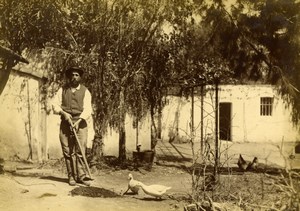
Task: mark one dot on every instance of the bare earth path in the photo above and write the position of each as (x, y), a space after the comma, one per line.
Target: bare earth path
(34, 187)
(46, 189)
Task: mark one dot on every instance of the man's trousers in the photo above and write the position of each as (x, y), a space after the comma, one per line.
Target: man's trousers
(71, 151)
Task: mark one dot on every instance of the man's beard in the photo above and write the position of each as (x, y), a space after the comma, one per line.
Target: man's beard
(74, 83)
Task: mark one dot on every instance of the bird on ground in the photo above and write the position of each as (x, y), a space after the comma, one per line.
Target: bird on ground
(132, 185)
(154, 190)
(253, 165)
(242, 164)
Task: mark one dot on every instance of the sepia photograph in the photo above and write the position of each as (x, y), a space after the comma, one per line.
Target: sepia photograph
(153, 105)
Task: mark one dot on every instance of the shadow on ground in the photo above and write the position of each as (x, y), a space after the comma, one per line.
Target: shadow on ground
(53, 178)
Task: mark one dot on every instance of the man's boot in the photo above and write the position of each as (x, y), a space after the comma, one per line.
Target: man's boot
(82, 181)
(72, 181)
(81, 175)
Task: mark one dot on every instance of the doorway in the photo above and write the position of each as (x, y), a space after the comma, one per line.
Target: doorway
(225, 121)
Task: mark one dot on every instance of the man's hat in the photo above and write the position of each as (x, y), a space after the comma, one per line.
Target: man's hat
(73, 69)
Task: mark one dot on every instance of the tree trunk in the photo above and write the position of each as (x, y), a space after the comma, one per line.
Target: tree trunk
(97, 150)
(122, 134)
(216, 167)
(153, 128)
(159, 123)
(97, 147)
(201, 124)
(192, 123)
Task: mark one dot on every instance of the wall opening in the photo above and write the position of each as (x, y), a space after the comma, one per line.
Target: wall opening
(225, 121)
(297, 148)
(266, 106)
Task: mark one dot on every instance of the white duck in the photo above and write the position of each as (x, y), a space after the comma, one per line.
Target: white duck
(132, 185)
(154, 190)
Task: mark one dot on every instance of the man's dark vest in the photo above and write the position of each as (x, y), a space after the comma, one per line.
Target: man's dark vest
(72, 102)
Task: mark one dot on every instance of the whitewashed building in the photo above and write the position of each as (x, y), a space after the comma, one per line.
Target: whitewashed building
(252, 120)
(23, 127)
(247, 113)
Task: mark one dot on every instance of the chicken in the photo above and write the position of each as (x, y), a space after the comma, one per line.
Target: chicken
(132, 185)
(253, 165)
(154, 190)
(247, 165)
(242, 164)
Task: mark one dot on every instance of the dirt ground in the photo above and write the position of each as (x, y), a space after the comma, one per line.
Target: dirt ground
(44, 187)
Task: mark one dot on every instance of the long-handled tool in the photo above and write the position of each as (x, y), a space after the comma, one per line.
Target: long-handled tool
(81, 150)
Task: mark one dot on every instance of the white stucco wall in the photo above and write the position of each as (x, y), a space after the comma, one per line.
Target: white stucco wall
(247, 124)
(111, 139)
(177, 113)
(270, 138)
(15, 117)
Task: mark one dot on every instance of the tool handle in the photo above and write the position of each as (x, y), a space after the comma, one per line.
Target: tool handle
(81, 150)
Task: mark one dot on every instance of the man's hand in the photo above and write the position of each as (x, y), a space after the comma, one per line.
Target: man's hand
(76, 124)
(67, 117)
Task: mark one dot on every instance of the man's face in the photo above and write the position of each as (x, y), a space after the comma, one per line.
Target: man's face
(75, 79)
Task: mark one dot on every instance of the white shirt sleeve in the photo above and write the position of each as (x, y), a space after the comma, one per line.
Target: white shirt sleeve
(56, 102)
(87, 106)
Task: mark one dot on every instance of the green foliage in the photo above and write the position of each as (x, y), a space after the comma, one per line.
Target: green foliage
(108, 39)
(257, 41)
(29, 24)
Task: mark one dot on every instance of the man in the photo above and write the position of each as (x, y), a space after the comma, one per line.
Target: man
(73, 103)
